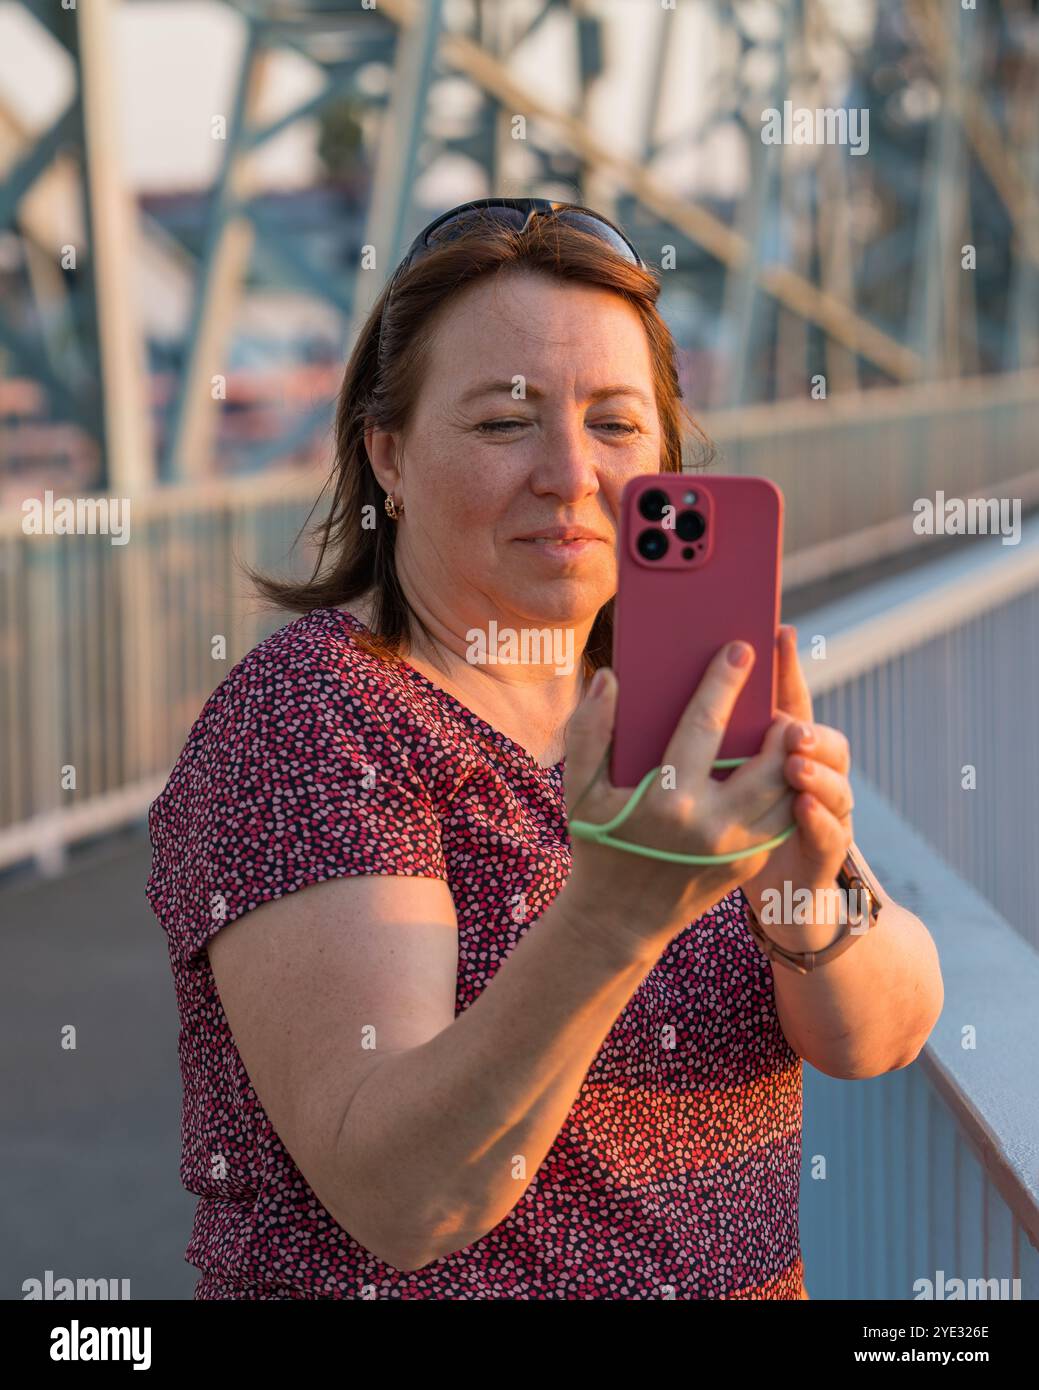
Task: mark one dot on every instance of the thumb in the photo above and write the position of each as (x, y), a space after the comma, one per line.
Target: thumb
(588, 739)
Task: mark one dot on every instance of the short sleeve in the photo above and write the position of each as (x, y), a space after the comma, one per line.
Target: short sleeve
(293, 775)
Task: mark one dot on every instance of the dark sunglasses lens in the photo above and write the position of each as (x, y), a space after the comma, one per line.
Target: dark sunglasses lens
(472, 219)
(583, 223)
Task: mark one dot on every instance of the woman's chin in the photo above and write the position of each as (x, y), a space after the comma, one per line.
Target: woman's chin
(569, 590)
(557, 609)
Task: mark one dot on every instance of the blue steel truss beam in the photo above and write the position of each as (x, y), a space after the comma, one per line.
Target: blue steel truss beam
(43, 150)
(74, 385)
(342, 85)
(265, 32)
(302, 270)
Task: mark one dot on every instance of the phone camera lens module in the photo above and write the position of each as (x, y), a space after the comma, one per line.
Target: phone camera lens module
(690, 526)
(652, 545)
(652, 503)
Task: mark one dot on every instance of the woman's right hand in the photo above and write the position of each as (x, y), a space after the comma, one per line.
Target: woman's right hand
(652, 899)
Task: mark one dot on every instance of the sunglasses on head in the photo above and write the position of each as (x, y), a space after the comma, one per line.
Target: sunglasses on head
(514, 214)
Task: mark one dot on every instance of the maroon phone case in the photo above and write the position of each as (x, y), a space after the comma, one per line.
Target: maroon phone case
(671, 618)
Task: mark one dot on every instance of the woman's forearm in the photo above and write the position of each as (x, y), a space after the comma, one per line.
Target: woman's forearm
(440, 1142)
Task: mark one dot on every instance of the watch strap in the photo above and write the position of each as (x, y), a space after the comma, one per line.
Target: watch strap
(851, 877)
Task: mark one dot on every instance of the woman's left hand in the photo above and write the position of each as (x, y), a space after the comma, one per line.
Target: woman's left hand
(812, 857)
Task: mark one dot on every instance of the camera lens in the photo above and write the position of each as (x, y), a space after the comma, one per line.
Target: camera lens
(652, 503)
(690, 526)
(652, 544)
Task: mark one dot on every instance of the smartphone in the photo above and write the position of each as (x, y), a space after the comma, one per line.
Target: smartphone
(699, 561)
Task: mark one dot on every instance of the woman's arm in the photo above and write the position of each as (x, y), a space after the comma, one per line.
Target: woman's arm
(417, 1130)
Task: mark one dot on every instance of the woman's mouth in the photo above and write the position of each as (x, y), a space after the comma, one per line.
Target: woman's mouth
(576, 546)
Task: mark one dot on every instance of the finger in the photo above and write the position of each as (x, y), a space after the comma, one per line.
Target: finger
(773, 745)
(588, 740)
(769, 820)
(825, 745)
(823, 840)
(758, 793)
(792, 694)
(828, 786)
(698, 735)
(758, 782)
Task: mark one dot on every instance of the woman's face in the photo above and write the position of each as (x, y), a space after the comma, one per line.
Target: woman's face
(484, 464)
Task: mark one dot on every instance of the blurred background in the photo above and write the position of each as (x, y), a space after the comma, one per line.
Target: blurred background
(199, 201)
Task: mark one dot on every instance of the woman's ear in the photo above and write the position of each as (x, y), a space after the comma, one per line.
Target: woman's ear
(382, 448)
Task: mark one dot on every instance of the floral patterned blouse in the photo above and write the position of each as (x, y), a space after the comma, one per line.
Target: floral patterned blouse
(676, 1172)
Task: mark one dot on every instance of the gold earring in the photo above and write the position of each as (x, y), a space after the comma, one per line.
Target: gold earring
(392, 510)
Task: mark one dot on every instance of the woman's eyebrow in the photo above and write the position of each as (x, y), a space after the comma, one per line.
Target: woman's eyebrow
(495, 388)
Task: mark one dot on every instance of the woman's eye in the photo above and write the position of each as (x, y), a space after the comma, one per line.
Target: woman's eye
(611, 426)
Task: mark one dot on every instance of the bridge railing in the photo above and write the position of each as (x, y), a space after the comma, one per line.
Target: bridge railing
(928, 1175)
(851, 467)
(934, 676)
(108, 651)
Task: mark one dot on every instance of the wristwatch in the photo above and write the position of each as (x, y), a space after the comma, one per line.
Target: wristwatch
(854, 880)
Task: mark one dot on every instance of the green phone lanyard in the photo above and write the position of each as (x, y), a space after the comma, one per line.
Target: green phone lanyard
(586, 830)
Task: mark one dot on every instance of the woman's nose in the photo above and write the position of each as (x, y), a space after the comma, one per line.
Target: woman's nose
(570, 462)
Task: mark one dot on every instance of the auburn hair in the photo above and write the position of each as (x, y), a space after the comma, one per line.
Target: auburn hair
(380, 389)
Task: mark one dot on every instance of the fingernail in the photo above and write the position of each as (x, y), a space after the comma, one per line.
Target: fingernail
(739, 654)
(805, 735)
(598, 684)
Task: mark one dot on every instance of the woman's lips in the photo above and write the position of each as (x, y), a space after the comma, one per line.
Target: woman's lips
(563, 549)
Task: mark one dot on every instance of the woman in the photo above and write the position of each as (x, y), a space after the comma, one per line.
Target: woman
(474, 1060)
